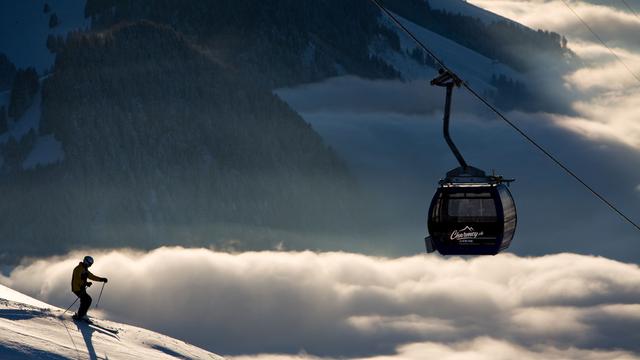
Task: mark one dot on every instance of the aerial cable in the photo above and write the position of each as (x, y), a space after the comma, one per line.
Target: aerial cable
(600, 39)
(504, 118)
(630, 8)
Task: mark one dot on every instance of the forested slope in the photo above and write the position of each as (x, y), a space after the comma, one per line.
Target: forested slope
(162, 142)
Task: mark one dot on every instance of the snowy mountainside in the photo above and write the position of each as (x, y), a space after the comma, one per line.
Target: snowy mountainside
(32, 329)
(470, 65)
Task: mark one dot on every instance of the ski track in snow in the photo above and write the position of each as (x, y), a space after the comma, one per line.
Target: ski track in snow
(32, 329)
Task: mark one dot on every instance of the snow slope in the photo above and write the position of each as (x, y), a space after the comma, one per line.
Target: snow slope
(32, 329)
(470, 65)
(47, 149)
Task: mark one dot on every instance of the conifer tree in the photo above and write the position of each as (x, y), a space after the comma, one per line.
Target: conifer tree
(25, 87)
(7, 72)
(3, 120)
(53, 21)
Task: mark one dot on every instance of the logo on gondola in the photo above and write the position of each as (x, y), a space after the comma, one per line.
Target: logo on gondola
(466, 233)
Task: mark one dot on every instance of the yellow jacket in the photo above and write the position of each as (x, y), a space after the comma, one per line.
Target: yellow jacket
(79, 278)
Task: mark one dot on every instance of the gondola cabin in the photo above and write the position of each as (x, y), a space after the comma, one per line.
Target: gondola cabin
(471, 214)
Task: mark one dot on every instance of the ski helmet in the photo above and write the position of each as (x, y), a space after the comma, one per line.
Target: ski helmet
(88, 260)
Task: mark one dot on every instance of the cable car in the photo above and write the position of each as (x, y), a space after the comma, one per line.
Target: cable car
(471, 213)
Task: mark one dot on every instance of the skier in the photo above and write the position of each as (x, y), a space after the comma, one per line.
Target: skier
(79, 285)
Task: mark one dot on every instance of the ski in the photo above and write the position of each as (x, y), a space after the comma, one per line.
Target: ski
(99, 326)
(96, 325)
(102, 327)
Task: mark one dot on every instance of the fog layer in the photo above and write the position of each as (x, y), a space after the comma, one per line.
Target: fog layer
(353, 305)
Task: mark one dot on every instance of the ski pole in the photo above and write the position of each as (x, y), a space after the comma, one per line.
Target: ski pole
(74, 302)
(100, 296)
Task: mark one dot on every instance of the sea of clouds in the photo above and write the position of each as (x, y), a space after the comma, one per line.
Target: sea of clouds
(346, 305)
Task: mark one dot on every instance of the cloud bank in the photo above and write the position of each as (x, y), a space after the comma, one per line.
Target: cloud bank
(479, 349)
(350, 305)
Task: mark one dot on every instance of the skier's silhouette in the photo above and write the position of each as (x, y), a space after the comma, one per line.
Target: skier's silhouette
(80, 283)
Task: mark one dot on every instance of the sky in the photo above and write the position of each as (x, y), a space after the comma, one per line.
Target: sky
(567, 289)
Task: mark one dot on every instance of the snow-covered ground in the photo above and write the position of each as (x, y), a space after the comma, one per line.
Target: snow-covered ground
(468, 64)
(31, 329)
(47, 150)
(471, 66)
